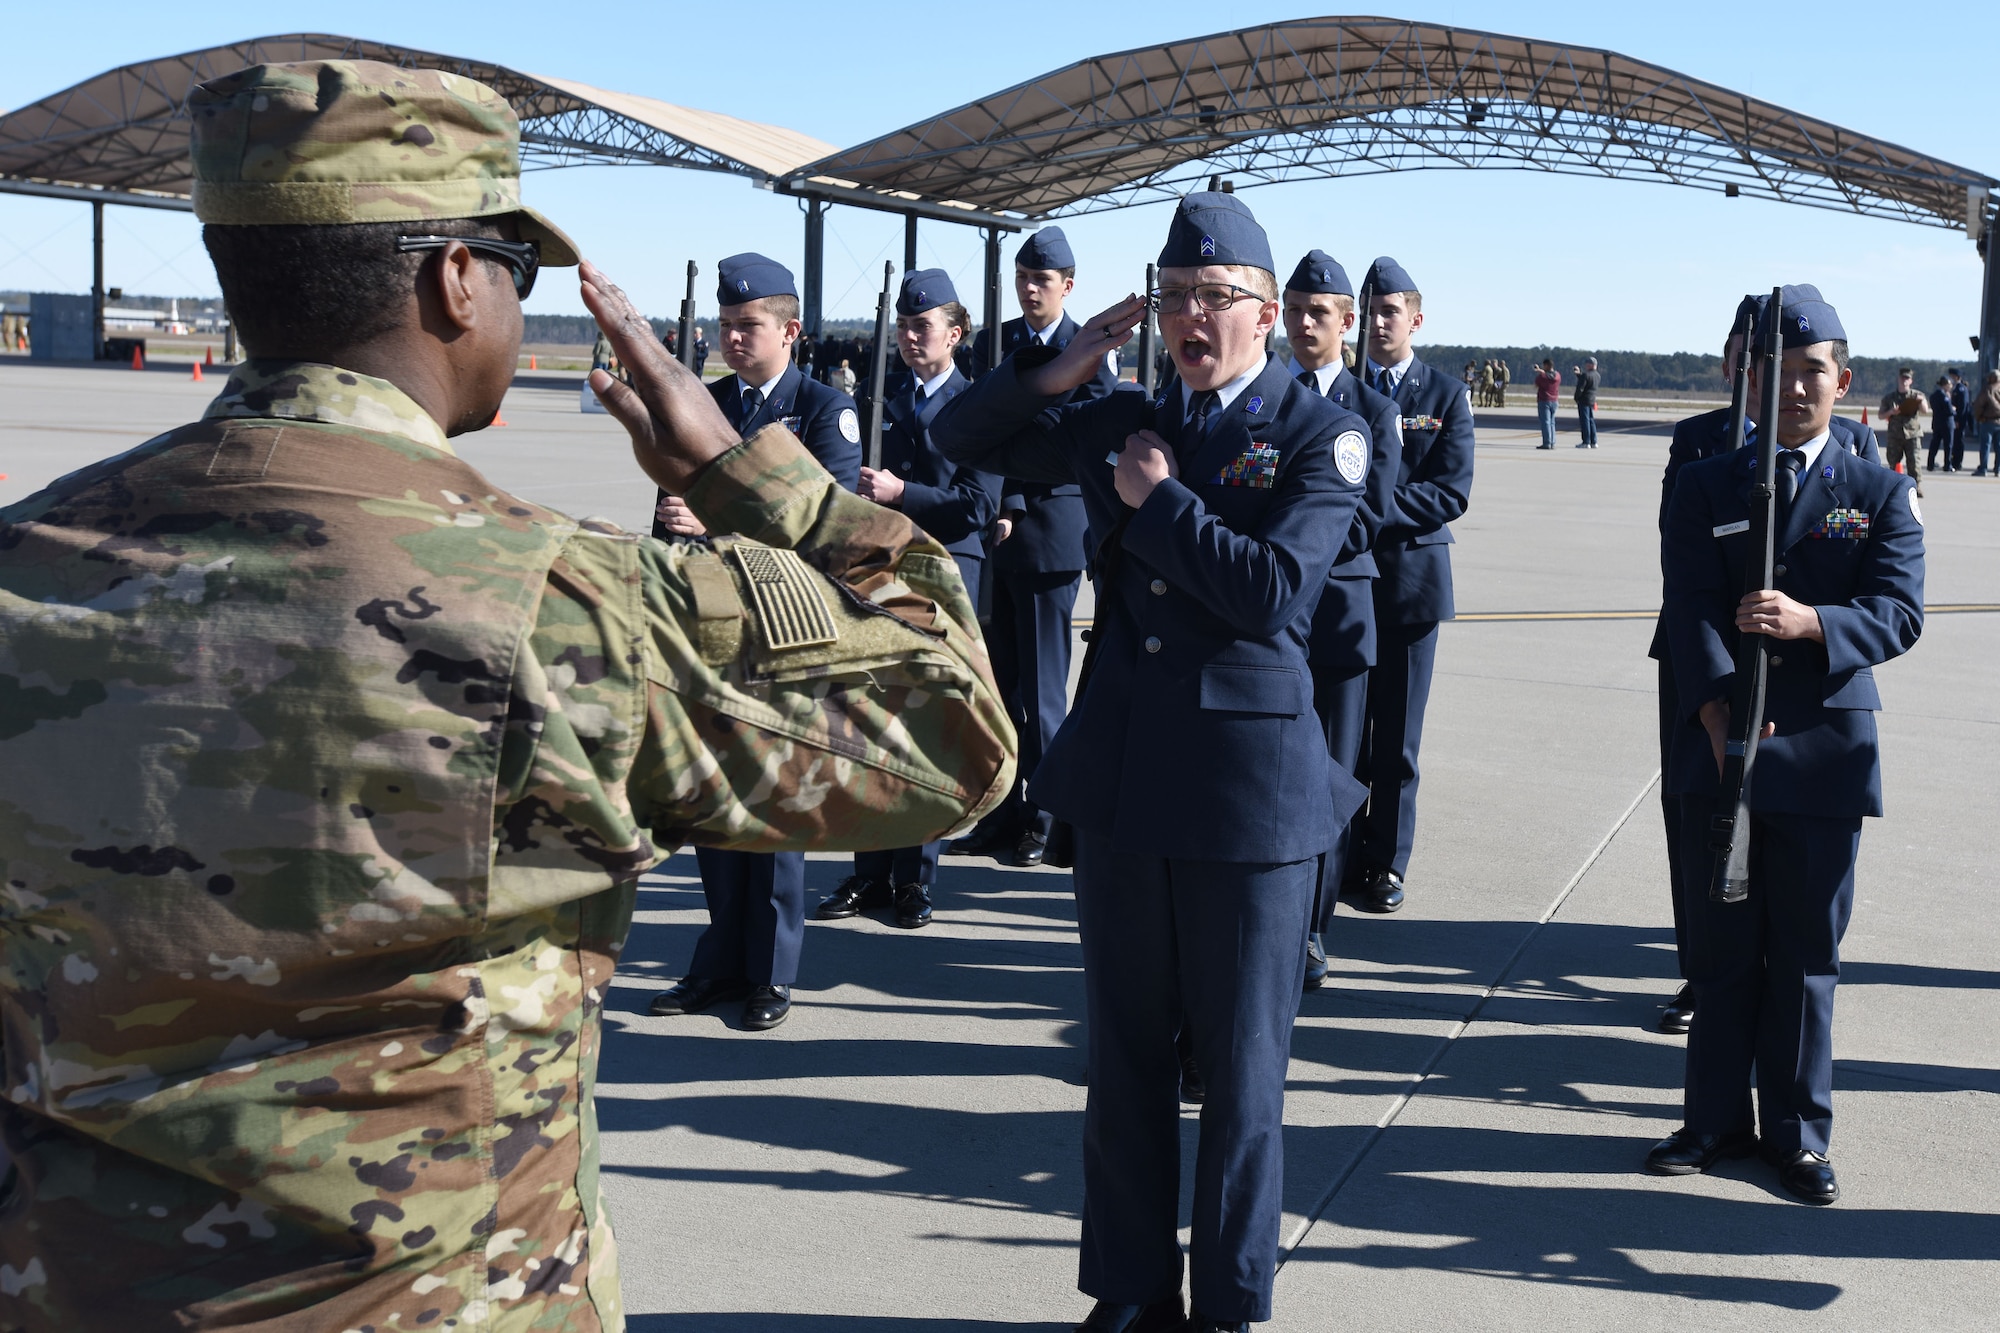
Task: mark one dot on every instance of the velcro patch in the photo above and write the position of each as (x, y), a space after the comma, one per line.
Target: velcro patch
(1256, 467)
(791, 610)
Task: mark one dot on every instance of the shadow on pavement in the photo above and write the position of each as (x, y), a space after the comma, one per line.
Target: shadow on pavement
(818, 1323)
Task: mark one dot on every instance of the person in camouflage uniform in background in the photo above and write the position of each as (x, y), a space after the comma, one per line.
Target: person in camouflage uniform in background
(331, 767)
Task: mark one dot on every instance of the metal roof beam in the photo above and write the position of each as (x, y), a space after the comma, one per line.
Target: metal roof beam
(92, 194)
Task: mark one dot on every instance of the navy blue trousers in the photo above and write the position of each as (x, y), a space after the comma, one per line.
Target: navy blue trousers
(1220, 947)
(1342, 701)
(1764, 972)
(918, 865)
(1399, 689)
(756, 916)
(1029, 640)
(1670, 810)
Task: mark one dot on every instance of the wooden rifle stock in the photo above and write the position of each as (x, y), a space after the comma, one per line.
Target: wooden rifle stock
(1729, 829)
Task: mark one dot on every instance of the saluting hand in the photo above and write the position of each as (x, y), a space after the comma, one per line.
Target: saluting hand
(1104, 332)
(1145, 462)
(675, 426)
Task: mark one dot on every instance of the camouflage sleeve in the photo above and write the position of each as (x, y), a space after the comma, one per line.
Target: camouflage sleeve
(815, 680)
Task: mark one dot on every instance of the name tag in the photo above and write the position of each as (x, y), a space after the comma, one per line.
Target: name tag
(1731, 529)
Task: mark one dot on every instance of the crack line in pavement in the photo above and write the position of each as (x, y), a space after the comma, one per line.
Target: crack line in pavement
(1416, 1080)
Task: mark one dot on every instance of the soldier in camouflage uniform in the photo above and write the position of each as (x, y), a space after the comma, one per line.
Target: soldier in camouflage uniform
(331, 767)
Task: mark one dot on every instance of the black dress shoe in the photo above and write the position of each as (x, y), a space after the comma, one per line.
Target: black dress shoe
(1315, 963)
(1678, 1016)
(850, 896)
(1029, 851)
(1159, 1317)
(1686, 1153)
(1193, 1090)
(913, 906)
(1201, 1323)
(691, 995)
(1806, 1176)
(1379, 891)
(985, 841)
(767, 1007)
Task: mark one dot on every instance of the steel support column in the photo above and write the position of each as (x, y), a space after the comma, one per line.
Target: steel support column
(909, 244)
(96, 280)
(992, 298)
(815, 277)
(1989, 305)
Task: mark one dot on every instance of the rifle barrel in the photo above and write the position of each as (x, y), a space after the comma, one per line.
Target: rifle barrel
(878, 373)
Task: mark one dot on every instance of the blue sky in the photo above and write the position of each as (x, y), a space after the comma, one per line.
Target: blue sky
(1503, 256)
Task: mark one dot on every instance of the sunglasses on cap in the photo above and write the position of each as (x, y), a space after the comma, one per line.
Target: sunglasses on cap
(522, 258)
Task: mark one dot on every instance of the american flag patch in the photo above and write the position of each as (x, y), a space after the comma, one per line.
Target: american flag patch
(1842, 523)
(1256, 467)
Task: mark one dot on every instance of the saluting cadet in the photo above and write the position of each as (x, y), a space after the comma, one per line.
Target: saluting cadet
(1706, 435)
(757, 900)
(955, 505)
(1192, 766)
(1849, 595)
(1413, 590)
(1319, 313)
(1038, 560)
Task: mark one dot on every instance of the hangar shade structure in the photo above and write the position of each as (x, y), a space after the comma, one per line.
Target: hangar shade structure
(1280, 102)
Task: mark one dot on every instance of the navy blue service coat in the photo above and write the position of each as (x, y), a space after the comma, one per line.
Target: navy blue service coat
(1433, 488)
(1869, 587)
(1195, 737)
(952, 503)
(821, 416)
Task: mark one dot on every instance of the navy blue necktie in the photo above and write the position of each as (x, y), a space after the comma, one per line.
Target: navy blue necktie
(1787, 476)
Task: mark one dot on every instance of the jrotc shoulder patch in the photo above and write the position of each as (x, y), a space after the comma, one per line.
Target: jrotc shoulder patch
(1350, 455)
(850, 426)
(1256, 467)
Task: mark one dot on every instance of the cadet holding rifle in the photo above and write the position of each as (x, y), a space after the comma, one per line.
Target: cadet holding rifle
(1846, 594)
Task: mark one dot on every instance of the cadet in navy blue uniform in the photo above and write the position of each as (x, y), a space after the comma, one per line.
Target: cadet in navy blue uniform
(1038, 560)
(952, 503)
(1695, 438)
(1413, 586)
(1192, 767)
(757, 900)
(1849, 595)
(1319, 312)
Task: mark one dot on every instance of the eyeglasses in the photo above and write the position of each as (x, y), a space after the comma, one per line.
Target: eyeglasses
(1211, 296)
(522, 258)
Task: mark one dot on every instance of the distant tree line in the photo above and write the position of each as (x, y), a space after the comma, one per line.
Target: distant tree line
(1680, 371)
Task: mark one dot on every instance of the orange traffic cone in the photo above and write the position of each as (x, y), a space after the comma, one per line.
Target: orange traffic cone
(197, 372)
(498, 420)
(208, 356)
(1864, 416)
(531, 361)
(138, 359)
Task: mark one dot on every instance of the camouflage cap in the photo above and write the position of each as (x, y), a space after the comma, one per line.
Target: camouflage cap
(343, 141)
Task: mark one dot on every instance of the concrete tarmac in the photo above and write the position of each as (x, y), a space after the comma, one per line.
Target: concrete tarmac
(1472, 1092)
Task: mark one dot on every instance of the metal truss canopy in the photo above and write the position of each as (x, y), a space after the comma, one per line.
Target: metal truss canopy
(1352, 96)
(123, 135)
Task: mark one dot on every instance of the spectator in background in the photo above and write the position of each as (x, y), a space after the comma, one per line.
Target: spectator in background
(1547, 381)
(1485, 398)
(1941, 426)
(1586, 401)
(1501, 374)
(1986, 420)
(1961, 418)
(1903, 411)
(843, 379)
(1471, 377)
(700, 350)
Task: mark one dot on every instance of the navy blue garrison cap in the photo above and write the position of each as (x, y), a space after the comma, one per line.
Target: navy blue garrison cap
(925, 289)
(1047, 248)
(1215, 228)
(1319, 274)
(1386, 276)
(751, 277)
(1808, 319)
